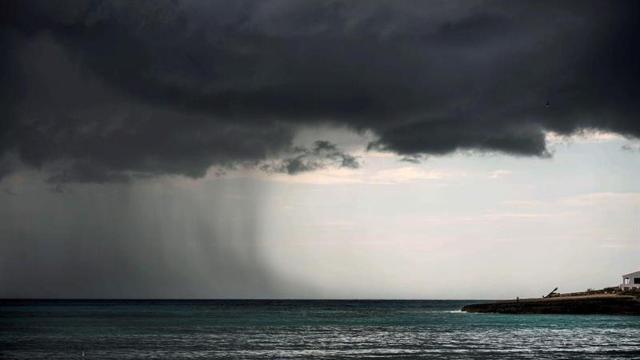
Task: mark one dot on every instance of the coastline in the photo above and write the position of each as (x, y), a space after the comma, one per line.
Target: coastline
(601, 304)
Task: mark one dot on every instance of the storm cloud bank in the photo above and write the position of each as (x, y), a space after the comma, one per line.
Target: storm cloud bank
(101, 91)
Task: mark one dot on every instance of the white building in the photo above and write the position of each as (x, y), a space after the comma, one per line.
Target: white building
(631, 281)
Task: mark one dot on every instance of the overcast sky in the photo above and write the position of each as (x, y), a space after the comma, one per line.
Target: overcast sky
(318, 149)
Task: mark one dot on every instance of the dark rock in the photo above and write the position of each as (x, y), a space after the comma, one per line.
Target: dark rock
(608, 304)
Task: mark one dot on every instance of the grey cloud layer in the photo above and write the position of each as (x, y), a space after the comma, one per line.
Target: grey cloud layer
(321, 155)
(106, 90)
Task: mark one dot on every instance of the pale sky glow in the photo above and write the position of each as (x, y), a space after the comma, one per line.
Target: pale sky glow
(488, 224)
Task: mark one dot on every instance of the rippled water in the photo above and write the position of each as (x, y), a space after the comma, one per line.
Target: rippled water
(302, 329)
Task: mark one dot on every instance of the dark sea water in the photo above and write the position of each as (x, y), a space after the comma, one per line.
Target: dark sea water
(302, 329)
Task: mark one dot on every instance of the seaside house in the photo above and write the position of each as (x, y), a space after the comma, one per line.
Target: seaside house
(631, 281)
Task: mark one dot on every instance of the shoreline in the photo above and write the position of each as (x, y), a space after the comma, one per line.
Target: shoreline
(595, 304)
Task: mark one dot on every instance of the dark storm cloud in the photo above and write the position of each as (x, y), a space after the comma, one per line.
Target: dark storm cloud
(107, 90)
(321, 155)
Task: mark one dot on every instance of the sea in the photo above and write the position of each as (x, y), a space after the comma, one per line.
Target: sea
(292, 329)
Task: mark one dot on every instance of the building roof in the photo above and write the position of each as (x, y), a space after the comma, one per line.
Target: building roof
(633, 273)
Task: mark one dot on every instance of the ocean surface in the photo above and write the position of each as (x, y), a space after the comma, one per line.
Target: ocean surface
(302, 329)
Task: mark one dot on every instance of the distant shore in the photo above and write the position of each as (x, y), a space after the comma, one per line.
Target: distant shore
(576, 303)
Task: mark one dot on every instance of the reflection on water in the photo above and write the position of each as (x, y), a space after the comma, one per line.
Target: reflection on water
(302, 329)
